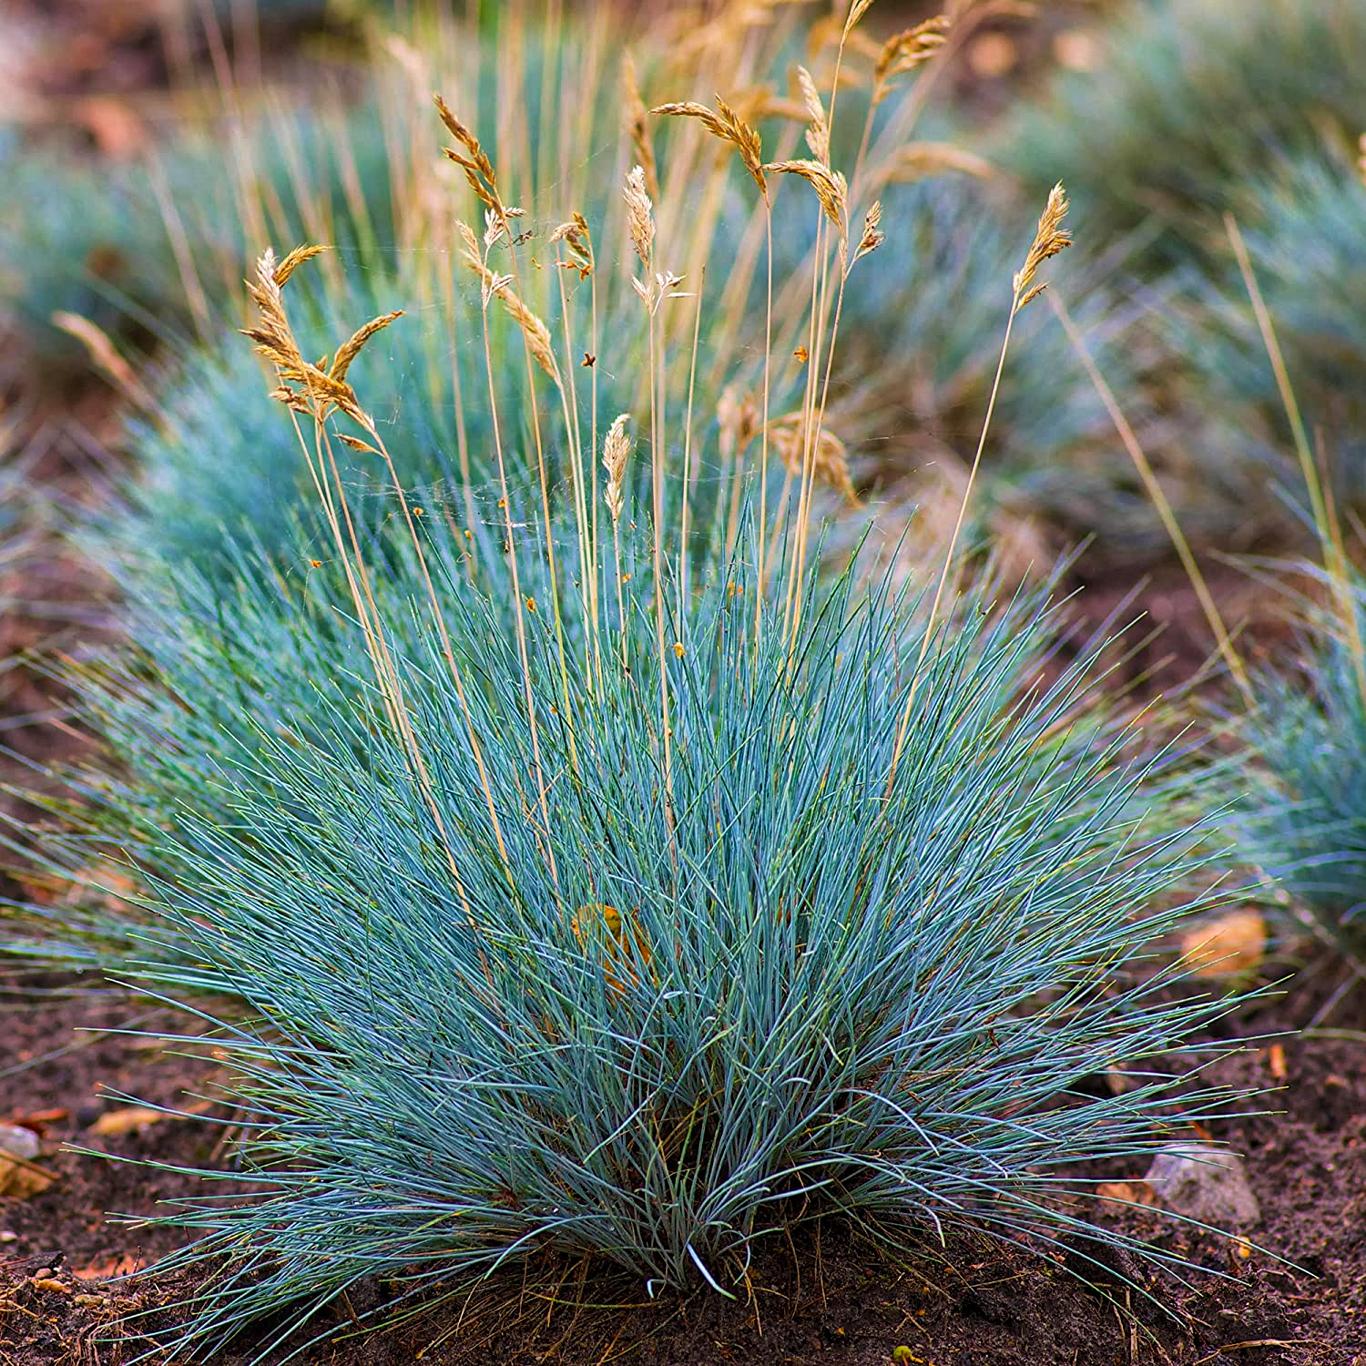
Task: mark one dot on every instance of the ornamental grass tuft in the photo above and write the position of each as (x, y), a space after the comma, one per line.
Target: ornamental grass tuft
(601, 874)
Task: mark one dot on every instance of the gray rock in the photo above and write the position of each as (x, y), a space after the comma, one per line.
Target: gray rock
(19, 1142)
(1207, 1183)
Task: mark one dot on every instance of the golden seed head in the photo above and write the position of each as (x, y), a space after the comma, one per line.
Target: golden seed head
(578, 244)
(535, 332)
(873, 236)
(616, 452)
(640, 215)
(905, 51)
(724, 123)
(830, 188)
(818, 128)
(304, 386)
(472, 159)
(1050, 238)
(856, 12)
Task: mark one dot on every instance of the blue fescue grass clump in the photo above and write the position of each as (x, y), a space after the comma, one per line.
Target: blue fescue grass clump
(852, 943)
(153, 250)
(1303, 234)
(1305, 801)
(1185, 99)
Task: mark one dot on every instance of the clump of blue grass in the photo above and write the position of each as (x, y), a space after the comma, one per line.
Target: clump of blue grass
(1302, 230)
(153, 251)
(851, 945)
(1174, 120)
(1304, 806)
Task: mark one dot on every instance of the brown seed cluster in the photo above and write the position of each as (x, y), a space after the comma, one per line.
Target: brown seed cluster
(827, 455)
(1050, 238)
(315, 390)
(723, 122)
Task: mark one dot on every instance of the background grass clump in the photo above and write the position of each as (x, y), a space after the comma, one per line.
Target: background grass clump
(1185, 103)
(1304, 818)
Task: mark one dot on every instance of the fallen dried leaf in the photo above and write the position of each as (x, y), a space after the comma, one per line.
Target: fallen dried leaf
(50, 1283)
(1276, 1061)
(1227, 946)
(1126, 1192)
(21, 1179)
(38, 1120)
(126, 1120)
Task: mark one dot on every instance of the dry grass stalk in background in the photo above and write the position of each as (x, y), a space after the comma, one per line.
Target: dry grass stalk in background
(919, 159)
(826, 456)
(638, 127)
(1159, 501)
(1326, 522)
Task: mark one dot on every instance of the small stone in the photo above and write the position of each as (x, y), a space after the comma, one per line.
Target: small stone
(19, 1142)
(1205, 1183)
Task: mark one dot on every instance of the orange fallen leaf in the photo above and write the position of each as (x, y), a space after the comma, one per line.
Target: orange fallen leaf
(50, 1283)
(1227, 946)
(38, 1119)
(1276, 1061)
(1126, 1192)
(21, 1179)
(126, 1120)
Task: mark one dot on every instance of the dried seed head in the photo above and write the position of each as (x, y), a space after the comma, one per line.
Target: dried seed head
(536, 333)
(737, 415)
(294, 260)
(818, 129)
(829, 458)
(616, 452)
(578, 243)
(725, 123)
(905, 51)
(472, 160)
(637, 125)
(829, 186)
(351, 348)
(1050, 237)
(873, 236)
(856, 12)
(304, 386)
(640, 215)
